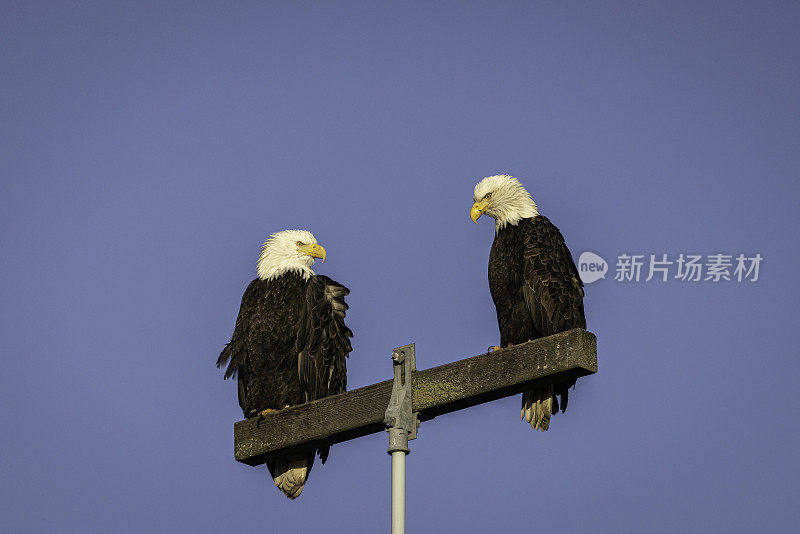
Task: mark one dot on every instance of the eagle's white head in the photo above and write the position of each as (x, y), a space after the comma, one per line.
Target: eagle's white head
(290, 250)
(503, 199)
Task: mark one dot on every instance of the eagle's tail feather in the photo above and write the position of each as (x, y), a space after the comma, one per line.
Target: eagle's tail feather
(291, 472)
(539, 404)
(525, 413)
(537, 407)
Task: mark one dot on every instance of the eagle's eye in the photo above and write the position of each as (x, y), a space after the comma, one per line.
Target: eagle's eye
(299, 243)
(487, 196)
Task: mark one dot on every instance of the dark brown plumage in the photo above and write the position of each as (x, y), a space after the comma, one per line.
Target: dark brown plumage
(289, 347)
(536, 291)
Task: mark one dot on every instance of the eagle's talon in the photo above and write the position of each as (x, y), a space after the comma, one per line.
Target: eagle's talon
(262, 415)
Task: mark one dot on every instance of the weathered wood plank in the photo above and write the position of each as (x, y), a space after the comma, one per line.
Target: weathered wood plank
(436, 391)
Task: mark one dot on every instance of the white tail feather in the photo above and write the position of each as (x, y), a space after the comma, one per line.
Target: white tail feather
(291, 475)
(537, 407)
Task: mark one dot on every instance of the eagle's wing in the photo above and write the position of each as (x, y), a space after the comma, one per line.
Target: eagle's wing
(234, 353)
(553, 294)
(552, 288)
(323, 340)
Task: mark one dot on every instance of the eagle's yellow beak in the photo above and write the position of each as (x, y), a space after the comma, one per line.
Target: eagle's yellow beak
(315, 251)
(478, 208)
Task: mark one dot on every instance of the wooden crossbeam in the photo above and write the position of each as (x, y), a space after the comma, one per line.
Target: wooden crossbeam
(436, 391)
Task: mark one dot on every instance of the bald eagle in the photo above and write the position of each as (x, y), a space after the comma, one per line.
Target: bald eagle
(533, 280)
(290, 342)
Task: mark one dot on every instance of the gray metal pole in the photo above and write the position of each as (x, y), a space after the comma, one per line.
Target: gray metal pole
(401, 423)
(398, 492)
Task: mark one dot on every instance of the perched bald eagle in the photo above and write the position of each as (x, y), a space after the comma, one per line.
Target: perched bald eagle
(290, 343)
(533, 280)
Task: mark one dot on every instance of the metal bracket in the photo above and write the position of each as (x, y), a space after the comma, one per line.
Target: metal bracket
(401, 423)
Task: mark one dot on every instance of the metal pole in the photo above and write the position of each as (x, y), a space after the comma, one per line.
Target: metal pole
(401, 423)
(398, 492)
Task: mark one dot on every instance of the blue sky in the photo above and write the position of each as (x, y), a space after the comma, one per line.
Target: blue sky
(147, 150)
